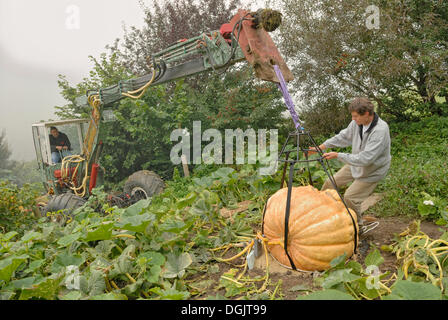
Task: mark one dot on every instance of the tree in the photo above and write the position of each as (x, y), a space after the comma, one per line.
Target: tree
(337, 52)
(106, 71)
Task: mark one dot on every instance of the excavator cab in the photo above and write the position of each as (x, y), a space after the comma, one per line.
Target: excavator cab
(50, 171)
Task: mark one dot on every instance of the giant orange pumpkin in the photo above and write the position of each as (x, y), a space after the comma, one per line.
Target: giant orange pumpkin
(320, 228)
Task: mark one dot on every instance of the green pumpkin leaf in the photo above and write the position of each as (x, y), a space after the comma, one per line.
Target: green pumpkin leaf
(175, 265)
(8, 236)
(153, 274)
(9, 265)
(170, 294)
(338, 262)
(104, 248)
(409, 290)
(329, 294)
(45, 289)
(24, 283)
(339, 276)
(69, 239)
(103, 232)
(135, 223)
(374, 258)
(96, 284)
(124, 263)
(31, 235)
(153, 258)
(36, 264)
(110, 296)
(72, 295)
(6, 295)
(299, 287)
(137, 208)
(64, 260)
(187, 201)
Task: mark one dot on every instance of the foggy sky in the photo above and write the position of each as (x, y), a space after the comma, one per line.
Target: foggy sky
(37, 44)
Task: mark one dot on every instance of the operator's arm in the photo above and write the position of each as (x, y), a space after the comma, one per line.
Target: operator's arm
(374, 148)
(67, 142)
(53, 144)
(342, 139)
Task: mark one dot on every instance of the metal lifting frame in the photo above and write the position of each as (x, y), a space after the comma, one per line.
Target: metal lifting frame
(301, 134)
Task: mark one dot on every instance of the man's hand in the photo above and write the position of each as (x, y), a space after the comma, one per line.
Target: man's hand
(330, 155)
(313, 150)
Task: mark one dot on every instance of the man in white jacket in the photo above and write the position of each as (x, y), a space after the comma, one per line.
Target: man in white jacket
(369, 162)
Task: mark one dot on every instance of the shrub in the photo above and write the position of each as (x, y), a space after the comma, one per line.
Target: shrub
(18, 208)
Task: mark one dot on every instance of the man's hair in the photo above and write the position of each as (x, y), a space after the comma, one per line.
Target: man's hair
(53, 128)
(361, 105)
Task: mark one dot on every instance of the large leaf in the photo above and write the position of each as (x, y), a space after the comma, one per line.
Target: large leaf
(329, 294)
(153, 274)
(222, 174)
(409, 290)
(96, 283)
(187, 201)
(33, 266)
(175, 265)
(171, 294)
(173, 226)
(72, 295)
(110, 296)
(23, 283)
(124, 263)
(69, 239)
(103, 232)
(153, 258)
(9, 265)
(31, 235)
(64, 260)
(131, 290)
(104, 248)
(374, 258)
(338, 262)
(137, 208)
(8, 236)
(45, 289)
(135, 223)
(339, 276)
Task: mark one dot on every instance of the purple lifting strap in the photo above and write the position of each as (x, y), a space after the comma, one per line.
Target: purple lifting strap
(288, 99)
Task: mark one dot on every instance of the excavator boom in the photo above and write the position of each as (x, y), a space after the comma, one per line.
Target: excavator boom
(243, 38)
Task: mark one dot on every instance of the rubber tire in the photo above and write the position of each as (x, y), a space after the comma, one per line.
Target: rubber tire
(66, 201)
(147, 180)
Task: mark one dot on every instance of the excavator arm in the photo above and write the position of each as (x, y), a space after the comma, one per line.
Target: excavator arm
(243, 38)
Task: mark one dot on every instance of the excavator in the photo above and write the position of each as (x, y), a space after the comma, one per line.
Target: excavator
(69, 183)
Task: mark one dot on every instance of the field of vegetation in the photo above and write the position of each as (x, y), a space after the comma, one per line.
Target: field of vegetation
(190, 241)
(178, 245)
